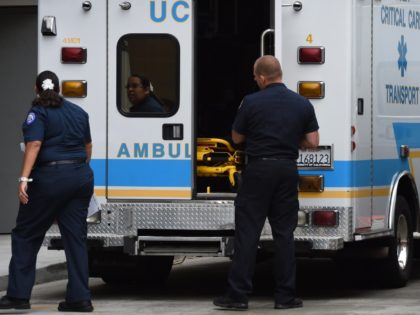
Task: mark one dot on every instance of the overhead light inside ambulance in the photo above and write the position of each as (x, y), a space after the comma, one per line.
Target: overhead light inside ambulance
(311, 55)
(311, 89)
(73, 55)
(74, 88)
(325, 218)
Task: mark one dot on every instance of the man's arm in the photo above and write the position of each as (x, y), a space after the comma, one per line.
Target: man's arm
(310, 140)
(237, 138)
(88, 147)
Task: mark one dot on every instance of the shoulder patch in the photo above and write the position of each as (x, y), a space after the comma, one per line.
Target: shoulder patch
(31, 118)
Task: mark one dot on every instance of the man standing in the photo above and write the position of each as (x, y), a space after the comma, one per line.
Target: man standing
(273, 123)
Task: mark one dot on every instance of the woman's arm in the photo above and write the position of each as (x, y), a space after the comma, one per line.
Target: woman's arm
(31, 153)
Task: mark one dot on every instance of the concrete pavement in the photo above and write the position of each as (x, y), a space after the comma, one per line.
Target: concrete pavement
(324, 288)
(50, 264)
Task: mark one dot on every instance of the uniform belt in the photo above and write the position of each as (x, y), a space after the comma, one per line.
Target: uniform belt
(268, 158)
(62, 162)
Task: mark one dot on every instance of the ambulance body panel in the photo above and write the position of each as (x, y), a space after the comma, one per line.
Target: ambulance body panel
(360, 184)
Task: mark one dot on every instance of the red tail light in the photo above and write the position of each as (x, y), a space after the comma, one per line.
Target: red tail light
(325, 218)
(73, 55)
(311, 55)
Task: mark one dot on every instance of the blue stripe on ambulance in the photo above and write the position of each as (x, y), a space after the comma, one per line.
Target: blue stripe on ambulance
(176, 173)
(408, 134)
(143, 173)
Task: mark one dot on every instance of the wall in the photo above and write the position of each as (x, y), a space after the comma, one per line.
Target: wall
(18, 64)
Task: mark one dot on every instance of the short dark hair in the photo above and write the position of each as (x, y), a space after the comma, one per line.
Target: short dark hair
(48, 88)
(269, 66)
(144, 81)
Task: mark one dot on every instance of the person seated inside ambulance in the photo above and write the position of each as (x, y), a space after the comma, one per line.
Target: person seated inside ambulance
(140, 95)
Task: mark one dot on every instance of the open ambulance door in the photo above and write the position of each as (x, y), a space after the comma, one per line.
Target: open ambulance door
(149, 153)
(328, 60)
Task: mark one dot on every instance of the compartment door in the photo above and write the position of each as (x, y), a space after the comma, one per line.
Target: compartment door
(149, 154)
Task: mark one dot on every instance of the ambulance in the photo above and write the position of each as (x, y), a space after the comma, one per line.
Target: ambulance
(357, 61)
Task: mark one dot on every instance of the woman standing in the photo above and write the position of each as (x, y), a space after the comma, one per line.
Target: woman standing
(56, 183)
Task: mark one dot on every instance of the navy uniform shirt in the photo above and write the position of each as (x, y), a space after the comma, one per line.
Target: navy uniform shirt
(64, 131)
(274, 121)
(149, 105)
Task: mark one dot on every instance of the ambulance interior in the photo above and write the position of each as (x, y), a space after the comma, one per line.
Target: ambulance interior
(228, 41)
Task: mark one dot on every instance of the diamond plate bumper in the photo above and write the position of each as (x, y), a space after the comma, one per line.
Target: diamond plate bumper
(121, 220)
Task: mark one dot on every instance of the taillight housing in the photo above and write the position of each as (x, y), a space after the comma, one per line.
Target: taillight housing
(73, 55)
(74, 88)
(311, 55)
(303, 218)
(327, 218)
(311, 89)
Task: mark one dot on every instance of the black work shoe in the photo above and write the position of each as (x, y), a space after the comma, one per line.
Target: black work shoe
(80, 306)
(227, 302)
(295, 303)
(9, 303)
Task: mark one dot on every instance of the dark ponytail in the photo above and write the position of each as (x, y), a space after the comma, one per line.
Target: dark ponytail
(47, 85)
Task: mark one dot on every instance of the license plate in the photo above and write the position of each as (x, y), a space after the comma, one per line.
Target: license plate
(321, 157)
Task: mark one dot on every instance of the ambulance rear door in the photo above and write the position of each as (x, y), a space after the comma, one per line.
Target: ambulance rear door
(149, 154)
(314, 41)
(72, 43)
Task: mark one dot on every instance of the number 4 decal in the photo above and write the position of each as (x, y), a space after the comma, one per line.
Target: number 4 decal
(309, 38)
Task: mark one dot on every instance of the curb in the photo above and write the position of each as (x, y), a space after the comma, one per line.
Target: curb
(43, 275)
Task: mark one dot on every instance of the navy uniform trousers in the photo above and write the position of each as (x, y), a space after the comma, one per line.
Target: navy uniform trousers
(58, 193)
(268, 190)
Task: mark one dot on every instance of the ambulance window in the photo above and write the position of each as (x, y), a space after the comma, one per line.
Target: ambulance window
(148, 75)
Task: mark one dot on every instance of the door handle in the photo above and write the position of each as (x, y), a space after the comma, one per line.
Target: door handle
(173, 131)
(263, 35)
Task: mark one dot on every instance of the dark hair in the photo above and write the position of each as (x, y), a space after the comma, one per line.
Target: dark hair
(48, 88)
(144, 81)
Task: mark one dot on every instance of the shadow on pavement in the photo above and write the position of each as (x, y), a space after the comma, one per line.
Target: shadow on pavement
(317, 279)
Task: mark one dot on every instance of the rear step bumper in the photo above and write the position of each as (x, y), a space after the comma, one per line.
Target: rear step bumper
(178, 245)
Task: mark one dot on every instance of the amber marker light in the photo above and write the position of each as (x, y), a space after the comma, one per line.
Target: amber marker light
(311, 55)
(311, 89)
(311, 183)
(74, 88)
(73, 55)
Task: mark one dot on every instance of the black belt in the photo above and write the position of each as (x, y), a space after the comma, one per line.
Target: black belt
(268, 158)
(62, 162)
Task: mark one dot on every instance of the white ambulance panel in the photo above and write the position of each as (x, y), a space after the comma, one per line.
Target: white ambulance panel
(77, 27)
(149, 155)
